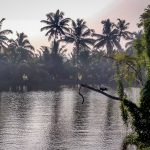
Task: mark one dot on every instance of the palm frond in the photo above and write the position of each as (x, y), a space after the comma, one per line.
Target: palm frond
(6, 32)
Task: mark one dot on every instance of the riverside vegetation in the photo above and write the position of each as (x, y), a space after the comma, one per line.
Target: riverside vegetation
(96, 58)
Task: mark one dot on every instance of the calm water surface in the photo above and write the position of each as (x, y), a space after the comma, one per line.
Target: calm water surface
(58, 121)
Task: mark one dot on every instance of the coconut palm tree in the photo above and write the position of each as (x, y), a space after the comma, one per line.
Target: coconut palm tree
(55, 49)
(122, 27)
(144, 16)
(79, 36)
(130, 45)
(22, 41)
(3, 36)
(22, 47)
(135, 36)
(53, 59)
(109, 38)
(56, 25)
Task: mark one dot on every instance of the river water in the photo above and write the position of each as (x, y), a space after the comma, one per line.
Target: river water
(57, 120)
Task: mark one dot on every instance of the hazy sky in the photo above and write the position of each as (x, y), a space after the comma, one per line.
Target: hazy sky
(25, 15)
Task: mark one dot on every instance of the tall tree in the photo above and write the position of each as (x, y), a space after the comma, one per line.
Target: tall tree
(56, 25)
(79, 36)
(57, 49)
(130, 44)
(144, 16)
(3, 36)
(122, 27)
(22, 47)
(109, 37)
(22, 41)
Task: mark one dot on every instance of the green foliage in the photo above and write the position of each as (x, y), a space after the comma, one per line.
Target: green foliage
(140, 114)
(122, 95)
(131, 139)
(124, 113)
(144, 16)
(147, 35)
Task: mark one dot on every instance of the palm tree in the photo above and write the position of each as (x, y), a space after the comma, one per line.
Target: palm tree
(22, 41)
(52, 59)
(130, 45)
(3, 38)
(22, 47)
(45, 54)
(56, 25)
(135, 36)
(79, 36)
(144, 16)
(55, 49)
(109, 38)
(122, 27)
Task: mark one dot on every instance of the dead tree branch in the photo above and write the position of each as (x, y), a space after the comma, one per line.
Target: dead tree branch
(99, 91)
(81, 95)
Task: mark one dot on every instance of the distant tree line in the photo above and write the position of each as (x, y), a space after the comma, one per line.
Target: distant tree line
(21, 64)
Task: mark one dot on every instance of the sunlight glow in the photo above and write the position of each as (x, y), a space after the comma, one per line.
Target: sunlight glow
(25, 15)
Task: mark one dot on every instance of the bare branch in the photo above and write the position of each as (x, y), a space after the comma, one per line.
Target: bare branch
(81, 94)
(99, 91)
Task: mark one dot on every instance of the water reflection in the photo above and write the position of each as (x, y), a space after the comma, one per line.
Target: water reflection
(80, 121)
(58, 120)
(112, 131)
(55, 137)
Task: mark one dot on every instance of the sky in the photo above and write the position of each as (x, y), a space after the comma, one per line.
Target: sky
(25, 15)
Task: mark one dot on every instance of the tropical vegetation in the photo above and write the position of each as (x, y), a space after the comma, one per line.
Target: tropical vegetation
(92, 58)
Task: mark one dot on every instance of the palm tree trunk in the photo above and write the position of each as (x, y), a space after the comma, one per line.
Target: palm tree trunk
(77, 62)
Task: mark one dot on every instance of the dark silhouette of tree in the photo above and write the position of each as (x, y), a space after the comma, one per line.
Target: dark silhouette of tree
(53, 58)
(122, 27)
(84, 64)
(22, 41)
(79, 35)
(144, 16)
(56, 25)
(46, 53)
(3, 36)
(52, 61)
(57, 48)
(109, 38)
(21, 47)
